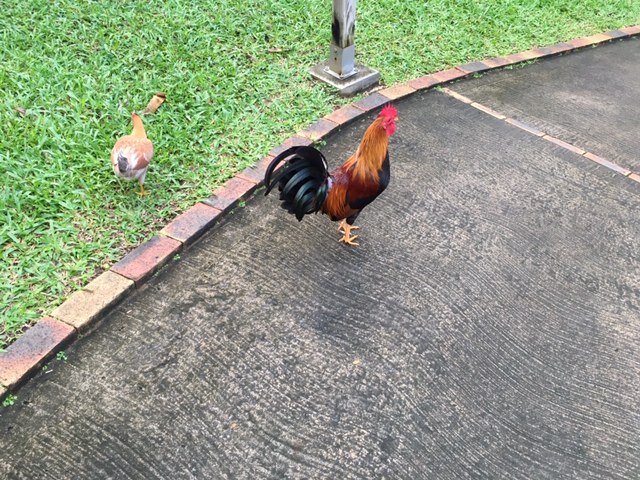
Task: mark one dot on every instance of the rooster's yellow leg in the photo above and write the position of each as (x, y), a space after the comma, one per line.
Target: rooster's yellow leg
(347, 238)
(142, 191)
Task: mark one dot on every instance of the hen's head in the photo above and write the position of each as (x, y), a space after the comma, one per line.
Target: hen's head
(389, 116)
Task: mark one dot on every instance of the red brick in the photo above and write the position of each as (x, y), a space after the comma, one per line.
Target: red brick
(145, 260)
(474, 67)
(32, 349)
(371, 102)
(448, 75)
(633, 30)
(562, 144)
(94, 300)
(422, 83)
(344, 115)
(556, 49)
(598, 38)
(522, 56)
(580, 42)
(318, 130)
(190, 225)
(295, 141)
(398, 91)
(612, 34)
(496, 62)
(256, 173)
(231, 193)
(525, 127)
(606, 163)
(250, 174)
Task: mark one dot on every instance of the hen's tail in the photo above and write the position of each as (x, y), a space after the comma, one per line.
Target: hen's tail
(123, 163)
(303, 182)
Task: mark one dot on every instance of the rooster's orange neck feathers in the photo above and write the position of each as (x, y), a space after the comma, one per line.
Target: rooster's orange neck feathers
(368, 159)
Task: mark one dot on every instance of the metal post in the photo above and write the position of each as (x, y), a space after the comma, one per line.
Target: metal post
(341, 70)
(342, 57)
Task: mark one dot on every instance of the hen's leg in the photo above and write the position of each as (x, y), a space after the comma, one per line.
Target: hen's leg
(142, 191)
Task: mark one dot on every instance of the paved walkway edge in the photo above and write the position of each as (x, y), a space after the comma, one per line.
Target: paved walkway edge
(85, 307)
(539, 133)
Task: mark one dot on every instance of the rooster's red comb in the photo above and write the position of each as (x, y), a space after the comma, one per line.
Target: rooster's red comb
(389, 111)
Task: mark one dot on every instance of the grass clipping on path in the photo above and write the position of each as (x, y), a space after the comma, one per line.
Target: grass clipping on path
(236, 73)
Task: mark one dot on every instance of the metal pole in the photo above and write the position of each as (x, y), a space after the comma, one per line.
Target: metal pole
(341, 70)
(343, 49)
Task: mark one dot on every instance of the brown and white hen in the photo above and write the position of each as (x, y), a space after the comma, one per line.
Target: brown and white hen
(131, 154)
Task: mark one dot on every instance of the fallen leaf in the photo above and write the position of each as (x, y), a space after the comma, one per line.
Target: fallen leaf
(153, 105)
(278, 50)
(357, 361)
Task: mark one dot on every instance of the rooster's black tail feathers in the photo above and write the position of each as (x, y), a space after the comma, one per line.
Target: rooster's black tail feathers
(303, 181)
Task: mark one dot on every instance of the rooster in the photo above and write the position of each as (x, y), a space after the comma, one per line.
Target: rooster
(131, 154)
(306, 185)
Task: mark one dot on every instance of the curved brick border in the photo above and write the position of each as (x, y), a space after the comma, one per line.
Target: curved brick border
(84, 307)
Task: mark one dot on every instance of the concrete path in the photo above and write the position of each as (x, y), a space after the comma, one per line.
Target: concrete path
(590, 99)
(487, 327)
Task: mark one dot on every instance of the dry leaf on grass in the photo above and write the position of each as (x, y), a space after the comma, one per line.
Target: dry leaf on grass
(153, 105)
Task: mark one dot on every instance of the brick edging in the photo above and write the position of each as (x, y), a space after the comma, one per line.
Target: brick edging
(88, 305)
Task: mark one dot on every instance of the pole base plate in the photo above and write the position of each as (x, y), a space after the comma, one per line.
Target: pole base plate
(364, 78)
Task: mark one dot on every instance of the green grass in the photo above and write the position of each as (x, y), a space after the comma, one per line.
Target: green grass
(72, 71)
(9, 400)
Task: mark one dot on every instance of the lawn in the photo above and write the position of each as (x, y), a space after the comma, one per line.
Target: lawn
(235, 75)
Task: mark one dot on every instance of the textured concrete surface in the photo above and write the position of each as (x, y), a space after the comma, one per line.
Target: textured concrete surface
(487, 327)
(588, 98)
